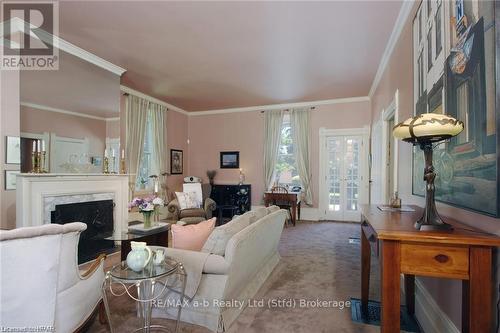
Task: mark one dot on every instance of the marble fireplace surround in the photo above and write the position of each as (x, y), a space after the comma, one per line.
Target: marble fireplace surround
(37, 195)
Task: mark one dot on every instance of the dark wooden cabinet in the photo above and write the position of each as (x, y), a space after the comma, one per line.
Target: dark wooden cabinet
(233, 195)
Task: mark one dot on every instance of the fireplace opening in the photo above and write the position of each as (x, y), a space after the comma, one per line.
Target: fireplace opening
(98, 216)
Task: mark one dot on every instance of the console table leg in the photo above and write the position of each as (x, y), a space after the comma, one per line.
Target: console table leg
(390, 280)
(410, 293)
(480, 289)
(365, 272)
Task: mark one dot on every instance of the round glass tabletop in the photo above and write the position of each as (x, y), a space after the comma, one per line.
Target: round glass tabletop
(167, 267)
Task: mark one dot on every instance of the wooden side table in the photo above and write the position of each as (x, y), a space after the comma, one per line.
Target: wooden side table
(464, 253)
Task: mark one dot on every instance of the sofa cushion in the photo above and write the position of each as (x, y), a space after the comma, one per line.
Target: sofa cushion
(217, 241)
(192, 236)
(192, 212)
(215, 264)
(259, 213)
(272, 209)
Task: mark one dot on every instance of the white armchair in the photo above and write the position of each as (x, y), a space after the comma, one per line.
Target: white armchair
(40, 284)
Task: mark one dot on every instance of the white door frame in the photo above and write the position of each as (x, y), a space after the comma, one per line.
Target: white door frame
(391, 111)
(323, 187)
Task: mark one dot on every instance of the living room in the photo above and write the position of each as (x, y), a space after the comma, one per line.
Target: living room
(263, 131)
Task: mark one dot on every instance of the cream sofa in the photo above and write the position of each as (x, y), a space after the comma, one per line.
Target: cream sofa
(250, 257)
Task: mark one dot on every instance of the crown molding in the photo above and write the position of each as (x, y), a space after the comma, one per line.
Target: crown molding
(134, 92)
(403, 15)
(64, 45)
(90, 57)
(71, 113)
(282, 106)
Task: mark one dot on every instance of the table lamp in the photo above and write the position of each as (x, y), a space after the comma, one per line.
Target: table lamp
(425, 130)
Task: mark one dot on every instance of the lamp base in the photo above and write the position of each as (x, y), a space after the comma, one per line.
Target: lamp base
(431, 221)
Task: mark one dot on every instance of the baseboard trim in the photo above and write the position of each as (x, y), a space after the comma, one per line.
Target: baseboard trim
(429, 315)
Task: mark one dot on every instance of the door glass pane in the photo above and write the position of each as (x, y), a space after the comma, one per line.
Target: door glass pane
(334, 148)
(352, 172)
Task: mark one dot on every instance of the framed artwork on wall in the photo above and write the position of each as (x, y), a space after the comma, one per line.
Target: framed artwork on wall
(10, 179)
(229, 159)
(12, 150)
(454, 73)
(176, 162)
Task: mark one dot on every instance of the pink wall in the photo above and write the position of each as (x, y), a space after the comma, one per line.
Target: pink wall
(399, 75)
(9, 125)
(177, 134)
(244, 132)
(39, 121)
(113, 129)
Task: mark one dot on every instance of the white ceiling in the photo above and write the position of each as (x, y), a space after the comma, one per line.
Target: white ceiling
(214, 55)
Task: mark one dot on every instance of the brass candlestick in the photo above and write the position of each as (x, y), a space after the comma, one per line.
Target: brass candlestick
(106, 165)
(33, 162)
(36, 159)
(122, 166)
(113, 161)
(42, 162)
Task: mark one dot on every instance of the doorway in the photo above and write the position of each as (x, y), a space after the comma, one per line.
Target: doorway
(343, 186)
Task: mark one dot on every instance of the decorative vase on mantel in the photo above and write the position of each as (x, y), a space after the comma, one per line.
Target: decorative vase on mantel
(147, 219)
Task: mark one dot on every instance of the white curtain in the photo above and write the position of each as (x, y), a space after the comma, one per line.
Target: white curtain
(272, 136)
(136, 118)
(158, 114)
(159, 128)
(299, 123)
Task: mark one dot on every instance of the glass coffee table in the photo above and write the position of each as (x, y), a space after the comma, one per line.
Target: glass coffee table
(149, 285)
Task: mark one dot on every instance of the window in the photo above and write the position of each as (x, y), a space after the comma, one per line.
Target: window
(429, 50)
(437, 29)
(143, 182)
(285, 172)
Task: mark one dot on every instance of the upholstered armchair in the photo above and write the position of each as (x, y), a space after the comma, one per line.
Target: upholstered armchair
(40, 284)
(193, 215)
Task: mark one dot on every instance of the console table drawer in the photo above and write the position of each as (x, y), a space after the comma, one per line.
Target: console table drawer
(435, 260)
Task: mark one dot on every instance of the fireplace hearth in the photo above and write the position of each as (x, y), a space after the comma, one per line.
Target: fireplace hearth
(98, 216)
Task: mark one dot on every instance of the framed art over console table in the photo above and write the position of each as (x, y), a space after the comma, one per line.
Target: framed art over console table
(229, 159)
(454, 66)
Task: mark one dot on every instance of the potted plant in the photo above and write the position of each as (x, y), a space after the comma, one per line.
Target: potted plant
(211, 175)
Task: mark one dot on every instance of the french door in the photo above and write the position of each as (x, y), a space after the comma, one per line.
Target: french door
(344, 180)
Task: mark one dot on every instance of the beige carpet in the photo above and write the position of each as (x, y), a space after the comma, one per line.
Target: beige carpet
(317, 263)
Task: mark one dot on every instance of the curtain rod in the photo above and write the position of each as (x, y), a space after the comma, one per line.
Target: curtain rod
(287, 110)
(127, 94)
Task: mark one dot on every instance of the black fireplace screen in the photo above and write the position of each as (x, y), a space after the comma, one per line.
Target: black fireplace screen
(98, 216)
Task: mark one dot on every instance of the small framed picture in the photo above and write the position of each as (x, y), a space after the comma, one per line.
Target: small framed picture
(229, 159)
(10, 179)
(13, 150)
(176, 162)
(96, 160)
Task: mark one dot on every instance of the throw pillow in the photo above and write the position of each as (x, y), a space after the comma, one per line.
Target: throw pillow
(272, 209)
(217, 241)
(260, 213)
(187, 200)
(191, 236)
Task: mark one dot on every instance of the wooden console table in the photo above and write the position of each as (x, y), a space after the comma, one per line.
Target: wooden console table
(464, 253)
(291, 197)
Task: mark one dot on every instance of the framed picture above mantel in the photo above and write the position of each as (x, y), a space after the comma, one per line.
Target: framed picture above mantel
(455, 55)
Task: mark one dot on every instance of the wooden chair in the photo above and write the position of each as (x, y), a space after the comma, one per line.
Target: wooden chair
(282, 203)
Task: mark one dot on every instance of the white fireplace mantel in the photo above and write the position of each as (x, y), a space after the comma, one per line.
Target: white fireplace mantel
(34, 189)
